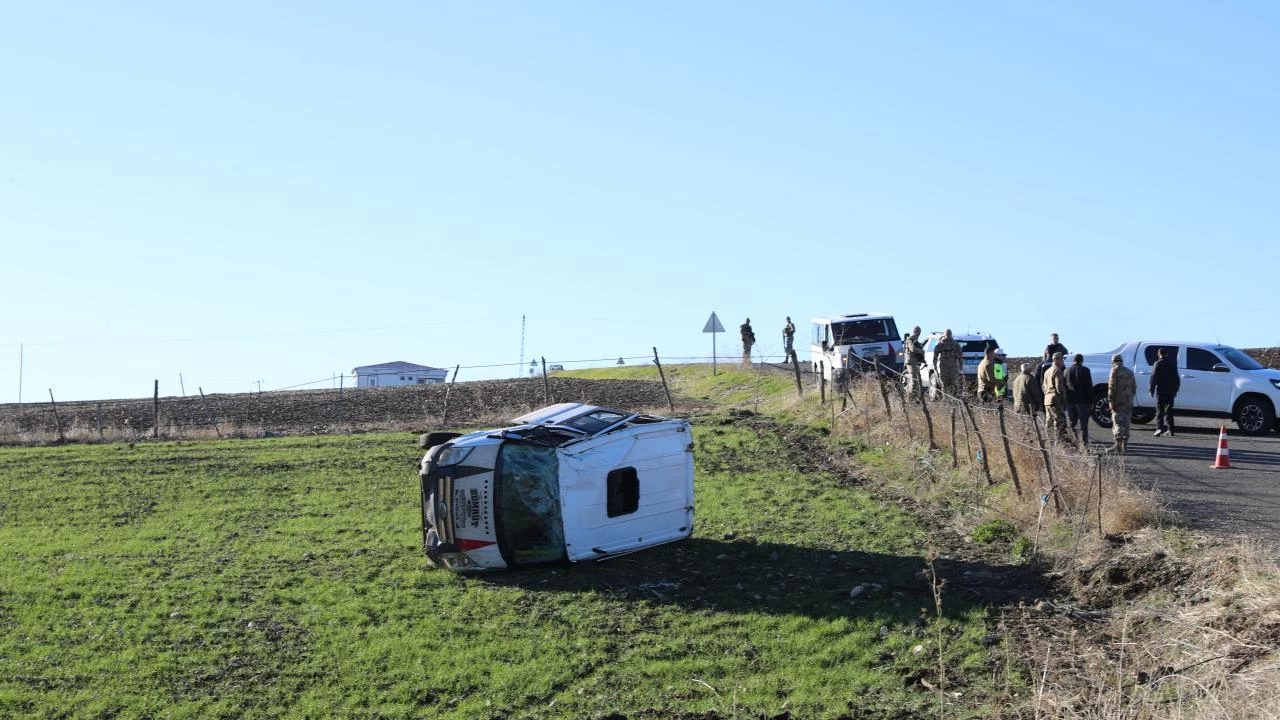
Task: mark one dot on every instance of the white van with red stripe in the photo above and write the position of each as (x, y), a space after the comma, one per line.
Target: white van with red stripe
(569, 482)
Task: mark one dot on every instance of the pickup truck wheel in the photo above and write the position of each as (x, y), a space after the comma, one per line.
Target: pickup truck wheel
(1143, 417)
(1254, 415)
(1102, 410)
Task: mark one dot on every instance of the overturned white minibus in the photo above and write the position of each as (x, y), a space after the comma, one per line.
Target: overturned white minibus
(569, 482)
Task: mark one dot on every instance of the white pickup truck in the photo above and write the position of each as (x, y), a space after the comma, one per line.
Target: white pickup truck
(1216, 381)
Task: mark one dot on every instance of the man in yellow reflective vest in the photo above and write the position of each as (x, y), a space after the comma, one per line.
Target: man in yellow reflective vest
(1002, 375)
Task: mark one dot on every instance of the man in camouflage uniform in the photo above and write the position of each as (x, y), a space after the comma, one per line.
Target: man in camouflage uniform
(788, 340)
(948, 364)
(1122, 386)
(912, 354)
(1027, 396)
(1055, 399)
(748, 339)
(987, 377)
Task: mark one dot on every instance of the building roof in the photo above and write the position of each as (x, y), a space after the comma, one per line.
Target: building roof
(397, 366)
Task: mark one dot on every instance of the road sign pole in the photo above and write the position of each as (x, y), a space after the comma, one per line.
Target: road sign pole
(713, 326)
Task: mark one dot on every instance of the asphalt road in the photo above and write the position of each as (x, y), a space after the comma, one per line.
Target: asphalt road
(1244, 500)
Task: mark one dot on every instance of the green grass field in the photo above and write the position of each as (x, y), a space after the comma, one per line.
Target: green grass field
(284, 578)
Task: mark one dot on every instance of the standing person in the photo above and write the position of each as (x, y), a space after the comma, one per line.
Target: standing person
(1164, 387)
(1027, 395)
(987, 377)
(1055, 399)
(948, 364)
(1002, 375)
(788, 340)
(1054, 347)
(1122, 387)
(748, 339)
(1079, 398)
(913, 354)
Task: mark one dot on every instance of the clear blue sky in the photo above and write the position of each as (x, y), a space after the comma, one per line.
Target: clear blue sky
(282, 191)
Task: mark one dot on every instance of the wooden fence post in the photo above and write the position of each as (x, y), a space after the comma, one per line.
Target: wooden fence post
(822, 388)
(1101, 534)
(884, 394)
(982, 444)
(155, 407)
(208, 416)
(759, 371)
(1048, 466)
(56, 421)
(546, 384)
(795, 365)
(444, 420)
(667, 390)
(954, 449)
(1008, 454)
(928, 421)
(906, 411)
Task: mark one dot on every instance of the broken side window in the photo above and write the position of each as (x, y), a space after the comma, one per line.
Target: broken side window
(594, 422)
(623, 492)
(528, 504)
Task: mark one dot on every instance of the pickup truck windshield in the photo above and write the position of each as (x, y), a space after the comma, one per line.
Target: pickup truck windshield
(1239, 358)
(528, 504)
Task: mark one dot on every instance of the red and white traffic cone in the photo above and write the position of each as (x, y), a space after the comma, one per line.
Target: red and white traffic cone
(1223, 461)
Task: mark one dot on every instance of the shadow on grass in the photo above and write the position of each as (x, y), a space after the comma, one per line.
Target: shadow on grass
(774, 578)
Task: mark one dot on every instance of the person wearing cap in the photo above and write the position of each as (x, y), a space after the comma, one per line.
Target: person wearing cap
(788, 340)
(1027, 395)
(987, 377)
(1122, 387)
(1055, 399)
(1054, 347)
(1079, 399)
(1002, 375)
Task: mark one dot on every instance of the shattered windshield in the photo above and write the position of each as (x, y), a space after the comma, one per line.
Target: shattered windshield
(528, 504)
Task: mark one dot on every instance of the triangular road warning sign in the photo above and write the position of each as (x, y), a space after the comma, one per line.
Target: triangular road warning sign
(713, 324)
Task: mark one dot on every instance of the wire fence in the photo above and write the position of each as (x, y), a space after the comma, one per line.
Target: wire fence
(870, 401)
(1057, 475)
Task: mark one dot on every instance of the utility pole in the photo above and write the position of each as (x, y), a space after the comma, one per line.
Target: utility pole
(520, 366)
(182, 385)
(19, 373)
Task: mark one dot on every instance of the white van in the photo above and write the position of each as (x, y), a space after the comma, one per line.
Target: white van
(868, 337)
(568, 482)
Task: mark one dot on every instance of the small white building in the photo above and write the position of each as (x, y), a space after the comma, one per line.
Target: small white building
(398, 373)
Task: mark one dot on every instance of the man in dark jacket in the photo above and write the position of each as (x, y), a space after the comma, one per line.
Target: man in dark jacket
(1079, 398)
(1054, 347)
(1164, 386)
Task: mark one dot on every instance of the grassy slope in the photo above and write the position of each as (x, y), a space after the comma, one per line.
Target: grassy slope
(283, 577)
